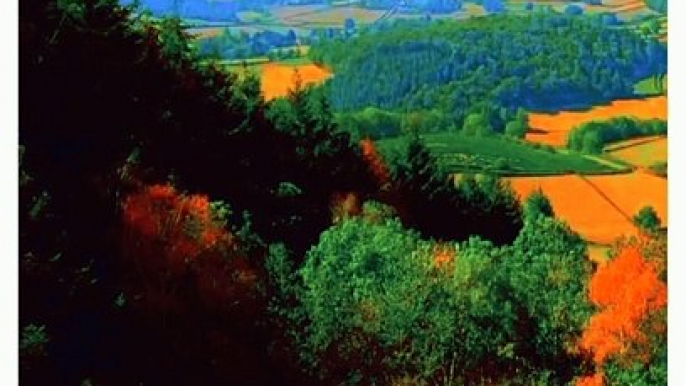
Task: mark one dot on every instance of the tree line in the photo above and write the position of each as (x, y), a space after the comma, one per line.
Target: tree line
(592, 137)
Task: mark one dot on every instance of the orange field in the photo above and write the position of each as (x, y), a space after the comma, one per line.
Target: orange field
(552, 129)
(288, 12)
(277, 79)
(576, 202)
(473, 9)
(600, 208)
(631, 192)
(642, 152)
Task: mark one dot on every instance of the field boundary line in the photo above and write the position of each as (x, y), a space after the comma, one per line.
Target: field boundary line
(618, 147)
(614, 165)
(606, 198)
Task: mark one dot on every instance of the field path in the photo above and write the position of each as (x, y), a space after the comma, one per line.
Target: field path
(599, 208)
(631, 192)
(595, 216)
(606, 197)
(606, 162)
(633, 143)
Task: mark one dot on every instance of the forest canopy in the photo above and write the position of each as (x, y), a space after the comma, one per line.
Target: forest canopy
(489, 65)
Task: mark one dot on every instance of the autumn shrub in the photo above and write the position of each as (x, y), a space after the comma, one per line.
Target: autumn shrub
(626, 290)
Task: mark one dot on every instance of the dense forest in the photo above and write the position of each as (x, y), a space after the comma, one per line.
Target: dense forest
(176, 229)
(489, 66)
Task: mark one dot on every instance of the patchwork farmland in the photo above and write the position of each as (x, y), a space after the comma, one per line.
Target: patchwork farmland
(553, 128)
(413, 217)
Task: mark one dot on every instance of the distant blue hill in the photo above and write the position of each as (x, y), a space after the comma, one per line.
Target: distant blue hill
(191, 9)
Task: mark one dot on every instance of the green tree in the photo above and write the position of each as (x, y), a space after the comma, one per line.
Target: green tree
(518, 127)
(647, 219)
(537, 204)
(592, 142)
(515, 129)
(362, 283)
(549, 275)
(380, 302)
(477, 124)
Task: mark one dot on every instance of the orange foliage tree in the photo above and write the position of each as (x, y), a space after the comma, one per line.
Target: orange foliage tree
(628, 291)
(178, 246)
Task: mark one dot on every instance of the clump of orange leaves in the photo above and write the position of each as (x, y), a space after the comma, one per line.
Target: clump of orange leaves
(443, 255)
(591, 380)
(630, 292)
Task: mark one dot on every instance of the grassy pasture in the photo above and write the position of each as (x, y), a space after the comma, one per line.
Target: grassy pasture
(643, 152)
(648, 87)
(459, 153)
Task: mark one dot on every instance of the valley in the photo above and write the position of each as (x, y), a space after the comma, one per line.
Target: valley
(364, 192)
